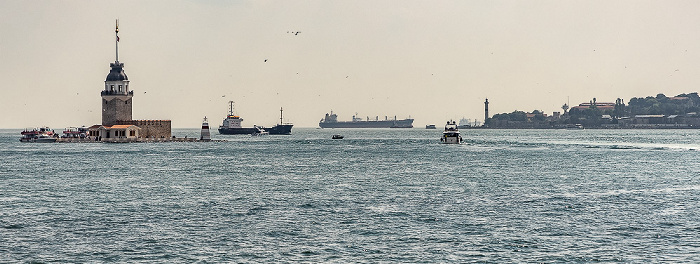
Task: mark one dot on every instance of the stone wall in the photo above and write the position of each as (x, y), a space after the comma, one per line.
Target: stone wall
(115, 108)
(151, 128)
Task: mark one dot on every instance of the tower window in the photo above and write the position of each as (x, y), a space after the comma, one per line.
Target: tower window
(120, 88)
(111, 88)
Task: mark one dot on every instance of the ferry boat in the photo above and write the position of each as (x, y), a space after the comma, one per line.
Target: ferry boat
(431, 126)
(232, 125)
(39, 135)
(75, 132)
(451, 134)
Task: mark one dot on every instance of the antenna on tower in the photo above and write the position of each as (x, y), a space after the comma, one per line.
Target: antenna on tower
(116, 34)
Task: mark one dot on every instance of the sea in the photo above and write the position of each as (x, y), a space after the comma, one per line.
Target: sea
(376, 196)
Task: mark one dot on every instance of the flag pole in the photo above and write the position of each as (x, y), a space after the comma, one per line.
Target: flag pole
(116, 34)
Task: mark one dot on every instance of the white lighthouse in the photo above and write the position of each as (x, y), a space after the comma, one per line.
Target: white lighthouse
(205, 135)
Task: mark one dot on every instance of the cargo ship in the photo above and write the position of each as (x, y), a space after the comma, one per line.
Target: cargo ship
(232, 126)
(331, 121)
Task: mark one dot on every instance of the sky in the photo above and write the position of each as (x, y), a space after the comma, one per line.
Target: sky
(428, 60)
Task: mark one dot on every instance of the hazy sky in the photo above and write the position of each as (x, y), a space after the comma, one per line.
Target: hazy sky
(431, 60)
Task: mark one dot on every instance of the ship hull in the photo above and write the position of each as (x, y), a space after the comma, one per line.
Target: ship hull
(276, 130)
(237, 131)
(280, 130)
(406, 123)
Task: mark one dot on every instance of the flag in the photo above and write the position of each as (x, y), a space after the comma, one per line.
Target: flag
(117, 38)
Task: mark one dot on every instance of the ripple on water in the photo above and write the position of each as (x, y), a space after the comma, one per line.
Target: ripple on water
(380, 196)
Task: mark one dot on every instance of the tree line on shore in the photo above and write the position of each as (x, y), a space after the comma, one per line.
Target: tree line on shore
(595, 114)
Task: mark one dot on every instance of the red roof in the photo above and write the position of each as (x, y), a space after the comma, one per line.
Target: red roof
(121, 126)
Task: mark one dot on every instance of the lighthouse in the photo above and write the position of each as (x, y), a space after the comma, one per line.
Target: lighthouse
(116, 108)
(486, 110)
(205, 135)
(116, 96)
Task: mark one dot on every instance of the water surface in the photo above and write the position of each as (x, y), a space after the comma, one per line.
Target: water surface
(385, 195)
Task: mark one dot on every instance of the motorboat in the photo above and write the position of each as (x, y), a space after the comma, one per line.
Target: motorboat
(259, 131)
(451, 134)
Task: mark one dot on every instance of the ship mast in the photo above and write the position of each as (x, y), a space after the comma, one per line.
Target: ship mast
(280, 115)
(230, 111)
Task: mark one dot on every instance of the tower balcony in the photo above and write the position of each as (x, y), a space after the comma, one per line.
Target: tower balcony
(117, 93)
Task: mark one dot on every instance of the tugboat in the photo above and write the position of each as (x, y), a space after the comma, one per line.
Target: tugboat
(451, 134)
(232, 125)
(337, 136)
(39, 135)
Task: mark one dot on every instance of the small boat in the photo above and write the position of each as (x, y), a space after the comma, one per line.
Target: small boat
(451, 134)
(39, 135)
(574, 126)
(259, 131)
(431, 126)
(337, 137)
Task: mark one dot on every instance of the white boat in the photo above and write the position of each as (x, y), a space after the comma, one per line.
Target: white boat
(451, 134)
(75, 132)
(259, 131)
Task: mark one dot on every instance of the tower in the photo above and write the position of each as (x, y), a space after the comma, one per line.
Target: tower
(486, 110)
(116, 97)
(205, 135)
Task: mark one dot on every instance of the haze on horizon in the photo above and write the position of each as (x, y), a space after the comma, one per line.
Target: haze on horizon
(431, 60)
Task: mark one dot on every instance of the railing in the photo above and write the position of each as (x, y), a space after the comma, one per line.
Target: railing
(116, 93)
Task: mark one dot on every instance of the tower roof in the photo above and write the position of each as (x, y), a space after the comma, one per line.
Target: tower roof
(116, 73)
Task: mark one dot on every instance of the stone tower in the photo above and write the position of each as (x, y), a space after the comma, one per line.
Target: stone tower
(116, 97)
(486, 110)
